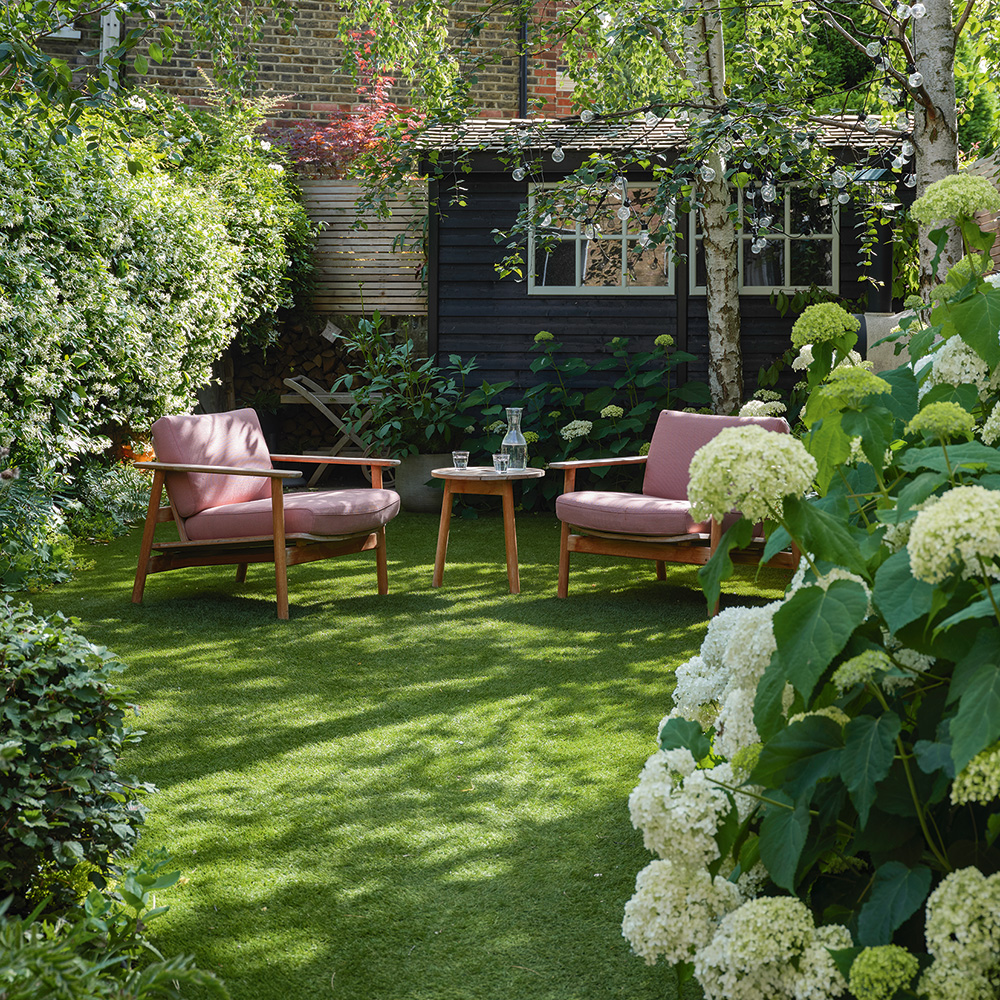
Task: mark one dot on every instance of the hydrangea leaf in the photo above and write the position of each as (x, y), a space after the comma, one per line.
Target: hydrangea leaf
(903, 401)
(918, 490)
(898, 892)
(977, 320)
(799, 756)
(973, 453)
(977, 723)
(869, 748)
(777, 541)
(782, 836)
(967, 396)
(983, 608)
(720, 566)
(725, 837)
(830, 445)
(874, 425)
(685, 734)
(812, 627)
(921, 341)
(898, 595)
(933, 757)
(983, 650)
(844, 958)
(824, 533)
(767, 703)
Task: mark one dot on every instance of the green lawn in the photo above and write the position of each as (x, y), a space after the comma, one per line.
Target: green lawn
(421, 796)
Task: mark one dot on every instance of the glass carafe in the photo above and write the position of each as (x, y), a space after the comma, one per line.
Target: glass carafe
(513, 444)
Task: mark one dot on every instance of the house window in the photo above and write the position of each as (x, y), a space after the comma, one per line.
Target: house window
(801, 247)
(596, 242)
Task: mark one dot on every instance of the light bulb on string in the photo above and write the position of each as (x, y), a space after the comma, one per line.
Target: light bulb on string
(902, 121)
(588, 229)
(763, 149)
(907, 149)
(897, 163)
(623, 213)
(843, 197)
(872, 124)
(768, 192)
(918, 10)
(586, 116)
(644, 238)
(786, 167)
(873, 49)
(903, 11)
(915, 79)
(910, 180)
(518, 173)
(766, 222)
(839, 178)
(887, 94)
(547, 220)
(558, 154)
(707, 173)
(651, 119)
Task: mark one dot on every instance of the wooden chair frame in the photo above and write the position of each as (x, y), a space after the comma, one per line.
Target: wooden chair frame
(281, 548)
(693, 549)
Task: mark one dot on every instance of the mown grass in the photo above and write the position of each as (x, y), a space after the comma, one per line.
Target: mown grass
(422, 796)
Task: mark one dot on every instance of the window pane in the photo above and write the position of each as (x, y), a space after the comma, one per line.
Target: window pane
(602, 263)
(700, 272)
(642, 201)
(556, 265)
(606, 216)
(646, 268)
(812, 262)
(766, 268)
(810, 215)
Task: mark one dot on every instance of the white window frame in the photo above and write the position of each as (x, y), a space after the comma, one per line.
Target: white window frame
(784, 236)
(579, 239)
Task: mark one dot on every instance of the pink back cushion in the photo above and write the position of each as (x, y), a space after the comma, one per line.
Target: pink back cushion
(675, 440)
(233, 439)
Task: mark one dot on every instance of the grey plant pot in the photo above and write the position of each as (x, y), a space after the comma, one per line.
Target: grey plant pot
(412, 476)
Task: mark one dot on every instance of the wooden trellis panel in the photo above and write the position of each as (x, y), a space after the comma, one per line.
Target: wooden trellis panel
(361, 270)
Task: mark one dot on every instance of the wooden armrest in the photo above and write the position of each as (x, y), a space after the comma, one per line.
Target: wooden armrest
(591, 463)
(219, 470)
(335, 460)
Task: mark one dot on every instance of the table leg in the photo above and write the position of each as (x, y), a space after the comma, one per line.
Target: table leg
(442, 544)
(510, 538)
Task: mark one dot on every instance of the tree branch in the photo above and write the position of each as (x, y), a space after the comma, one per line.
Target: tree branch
(965, 17)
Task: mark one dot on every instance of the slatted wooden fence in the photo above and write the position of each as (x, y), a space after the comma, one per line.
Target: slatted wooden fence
(361, 270)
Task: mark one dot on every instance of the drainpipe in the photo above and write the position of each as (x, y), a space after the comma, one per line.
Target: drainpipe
(522, 69)
(111, 37)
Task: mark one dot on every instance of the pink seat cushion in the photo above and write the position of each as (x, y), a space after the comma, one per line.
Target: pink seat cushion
(234, 439)
(675, 440)
(626, 513)
(334, 512)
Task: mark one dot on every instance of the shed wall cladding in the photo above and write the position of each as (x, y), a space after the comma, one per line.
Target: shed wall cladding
(496, 319)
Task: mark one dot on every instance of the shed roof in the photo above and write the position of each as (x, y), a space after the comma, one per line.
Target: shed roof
(614, 133)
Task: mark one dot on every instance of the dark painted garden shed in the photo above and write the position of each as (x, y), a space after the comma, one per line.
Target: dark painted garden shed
(487, 169)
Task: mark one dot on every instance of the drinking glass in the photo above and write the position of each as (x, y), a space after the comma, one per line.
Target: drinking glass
(500, 463)
(459, 459)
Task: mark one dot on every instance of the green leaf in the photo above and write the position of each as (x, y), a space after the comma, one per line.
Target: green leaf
(976, 725)
(800, 756)
(720, 566)
(782, 836)
(983, 650)
(972, 454)
(825, 534)
(844, 958)
(141, 64)
(966, 396)
(933, 757)
(874, 426)
(685, 733)
(725, 837)
(977, 319)
(812, 627)
(898, 892)
(898, 595)
(904, 400)
(830, 445)
(977, 609)
(869, 749)
(920, 342)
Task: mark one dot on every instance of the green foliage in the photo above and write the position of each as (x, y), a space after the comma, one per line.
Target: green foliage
(117, 292)
(98, 950)
(105, 500)
(878, 711)
(62, 731)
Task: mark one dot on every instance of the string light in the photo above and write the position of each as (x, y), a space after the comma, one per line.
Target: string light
(558, 155)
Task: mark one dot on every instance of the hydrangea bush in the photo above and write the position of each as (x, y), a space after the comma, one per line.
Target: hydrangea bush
(823, 801)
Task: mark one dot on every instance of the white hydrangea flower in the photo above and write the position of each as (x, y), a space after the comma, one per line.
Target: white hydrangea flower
(575, 429)
(990, 431)
(750, 647)
(679, 815)
(804, 358)
(946, 982)
(750, 883)
(749, 469)
(955, 533)
(979, 780)
(770, 948)
(698, 684)
(735, 727)
(762, 408)
(675, 911)
(962, 922)
(955, 363)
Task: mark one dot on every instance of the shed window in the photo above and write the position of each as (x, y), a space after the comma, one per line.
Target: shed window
(801, 247)
(596, 242)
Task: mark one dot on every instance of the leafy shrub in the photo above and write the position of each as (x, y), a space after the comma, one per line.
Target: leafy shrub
(839, 749)
(117, 292)
(98, 950)
(104, 501)
(61, 732)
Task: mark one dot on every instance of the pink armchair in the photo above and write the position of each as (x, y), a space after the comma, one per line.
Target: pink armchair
(227, 501)
(656, 523)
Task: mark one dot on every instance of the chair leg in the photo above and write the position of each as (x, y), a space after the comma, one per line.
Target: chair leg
(146, 547)
(661, 570)
(241, 573)
(381, 564)
(280, 554)
(562, 588)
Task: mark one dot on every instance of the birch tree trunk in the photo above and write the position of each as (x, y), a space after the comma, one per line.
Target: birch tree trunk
(935, 127)
(705, 60)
